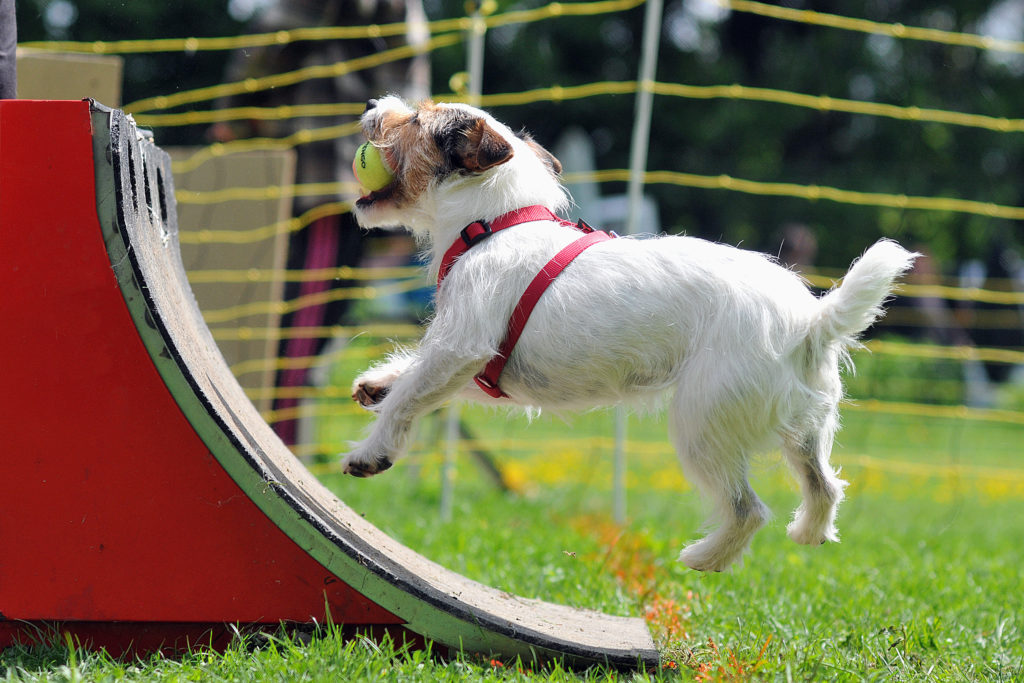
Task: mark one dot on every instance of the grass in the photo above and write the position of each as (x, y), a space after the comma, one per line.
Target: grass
(925, 585)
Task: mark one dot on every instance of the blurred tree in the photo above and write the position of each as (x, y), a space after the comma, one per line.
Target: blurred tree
(704, 45)
(145, 74)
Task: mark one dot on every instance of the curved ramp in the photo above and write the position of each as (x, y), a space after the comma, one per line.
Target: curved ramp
(145, 499)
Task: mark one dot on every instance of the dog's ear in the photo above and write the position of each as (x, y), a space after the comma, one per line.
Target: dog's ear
(483, 148)
(547, 157)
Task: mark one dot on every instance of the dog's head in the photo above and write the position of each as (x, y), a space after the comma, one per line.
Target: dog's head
(453, 164)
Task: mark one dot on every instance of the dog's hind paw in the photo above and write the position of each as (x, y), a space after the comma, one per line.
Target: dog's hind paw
(802, 531)
(697, 556)
(719, 550)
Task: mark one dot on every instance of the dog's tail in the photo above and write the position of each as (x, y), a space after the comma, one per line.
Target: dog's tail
(849, 309)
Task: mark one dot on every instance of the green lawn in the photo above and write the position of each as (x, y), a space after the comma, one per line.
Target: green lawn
(925, 585)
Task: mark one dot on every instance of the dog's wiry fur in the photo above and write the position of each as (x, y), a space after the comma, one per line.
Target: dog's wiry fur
(750, 356)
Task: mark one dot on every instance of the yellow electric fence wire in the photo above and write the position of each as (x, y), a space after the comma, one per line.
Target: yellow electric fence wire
(397, 331)
(988, 296)
(229, 194)
(556, 93)
(963, 294)
(735, 91)
(316, 33)
(865, 26)
(408, 272)
(327, 392)
(933, 469)
(936, 411)
(223, 315)
(810, 192)
(556, 9)
(719, 182)
(561, 9)
(892, 348)
(287, 111)
(301, 363)
(301, 393)
(312, 275)
(294, 413)
(827, 103)
(411, 331)
(207, 236)
(552, 93)
(299, 137)
(559, 93)
(368, 352)
(190, 45)
(368, 358)
(251, 85)
(534, 468)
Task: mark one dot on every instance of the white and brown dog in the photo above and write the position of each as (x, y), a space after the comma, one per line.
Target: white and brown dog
(751, 355)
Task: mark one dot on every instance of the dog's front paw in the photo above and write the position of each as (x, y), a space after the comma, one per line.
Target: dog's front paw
(372, 386)
(360, 463)
(368, 394)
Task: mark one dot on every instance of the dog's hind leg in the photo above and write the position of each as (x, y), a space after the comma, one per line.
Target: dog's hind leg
(717, 465)
(808, 455)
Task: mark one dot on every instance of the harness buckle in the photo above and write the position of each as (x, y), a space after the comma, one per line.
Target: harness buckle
(488, 387)
(475, 232)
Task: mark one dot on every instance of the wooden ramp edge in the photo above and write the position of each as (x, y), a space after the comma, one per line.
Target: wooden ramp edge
(143, 487)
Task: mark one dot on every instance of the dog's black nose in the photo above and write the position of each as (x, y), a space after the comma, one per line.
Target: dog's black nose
(370, 104)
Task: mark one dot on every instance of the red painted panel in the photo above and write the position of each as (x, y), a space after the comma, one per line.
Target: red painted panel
(133, 638)
(111, 507)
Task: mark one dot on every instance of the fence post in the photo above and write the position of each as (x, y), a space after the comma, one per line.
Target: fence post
(475, 53)
(451, 450)
(637, 168)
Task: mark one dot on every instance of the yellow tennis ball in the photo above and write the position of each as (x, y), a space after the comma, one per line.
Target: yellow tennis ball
(371, 168)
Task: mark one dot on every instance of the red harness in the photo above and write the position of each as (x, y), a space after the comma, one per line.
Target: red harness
(478, 231)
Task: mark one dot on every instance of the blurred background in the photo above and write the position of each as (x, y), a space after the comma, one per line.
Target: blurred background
(805, 134)
(806, 130)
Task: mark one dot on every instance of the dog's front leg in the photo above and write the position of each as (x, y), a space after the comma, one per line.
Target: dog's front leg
(427, 381)
(370, 388)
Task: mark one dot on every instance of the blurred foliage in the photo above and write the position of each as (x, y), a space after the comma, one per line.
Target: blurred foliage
(1010, 396)
(702, 45)
(770, 142)
(145, 75)
(906, 379)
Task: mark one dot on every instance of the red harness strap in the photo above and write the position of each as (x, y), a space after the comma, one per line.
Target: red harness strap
(478, 231)
(488, 379)
(475, 232)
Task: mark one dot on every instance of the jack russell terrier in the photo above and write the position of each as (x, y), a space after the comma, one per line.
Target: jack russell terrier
(532, 310)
